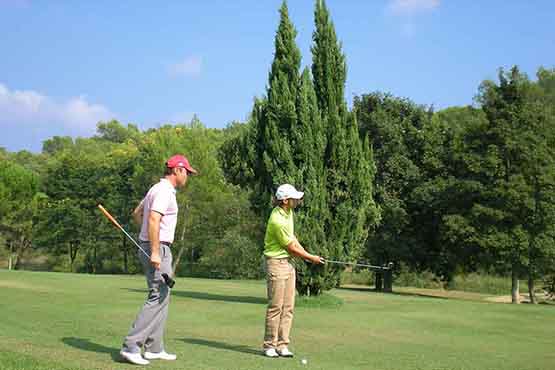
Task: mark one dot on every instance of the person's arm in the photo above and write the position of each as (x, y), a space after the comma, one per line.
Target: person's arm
(138, 213)
(154, 238)
(295, 248)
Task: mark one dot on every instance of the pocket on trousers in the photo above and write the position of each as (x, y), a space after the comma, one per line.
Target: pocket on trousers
(271, 276)
(278, 275)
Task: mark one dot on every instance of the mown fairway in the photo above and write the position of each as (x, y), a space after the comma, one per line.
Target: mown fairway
(69, 321)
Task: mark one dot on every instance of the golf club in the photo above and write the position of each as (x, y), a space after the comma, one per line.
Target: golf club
(389, 265)
(168, 280)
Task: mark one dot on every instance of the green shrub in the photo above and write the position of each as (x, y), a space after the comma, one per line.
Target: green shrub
(362, 277)
(406, 278)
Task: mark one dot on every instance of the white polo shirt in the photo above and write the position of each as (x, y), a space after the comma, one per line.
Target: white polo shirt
(160, 198)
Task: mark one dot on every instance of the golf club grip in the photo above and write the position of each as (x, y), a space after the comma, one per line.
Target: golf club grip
(109, 216)
(168, 280)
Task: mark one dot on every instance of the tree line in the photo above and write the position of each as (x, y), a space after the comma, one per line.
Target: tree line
(453, 191)
(459, 190)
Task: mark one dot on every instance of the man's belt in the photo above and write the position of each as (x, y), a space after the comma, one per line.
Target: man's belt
(161, 242)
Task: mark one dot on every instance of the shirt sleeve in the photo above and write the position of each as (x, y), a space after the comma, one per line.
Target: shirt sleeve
(283, 236)
(141, 204)
(161, 202)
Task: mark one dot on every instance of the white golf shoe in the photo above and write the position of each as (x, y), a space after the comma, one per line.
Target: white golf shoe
(285, 352)
(134, 358)
(160, 356)
(270, 352)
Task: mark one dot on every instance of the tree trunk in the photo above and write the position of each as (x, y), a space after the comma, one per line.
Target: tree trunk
(181, 250)
(177, 259)
(17, 252)
(94, 259)
(15, 261)
(125, 254)
(70, 254)
(10, 261)
(73, 248)
(515, 294)
(378, 281)
(532, 244)
(531, 292)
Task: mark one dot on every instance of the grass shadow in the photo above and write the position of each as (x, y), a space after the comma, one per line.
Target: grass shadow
(415, 294)
(87, 345)
(358, 289)
(211, 297)
(407, 294)
(222, 345)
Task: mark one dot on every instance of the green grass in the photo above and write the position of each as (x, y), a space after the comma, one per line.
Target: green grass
(72, 321)
(324, 300)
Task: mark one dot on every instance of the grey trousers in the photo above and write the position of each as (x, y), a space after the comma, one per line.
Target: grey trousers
(148, 329)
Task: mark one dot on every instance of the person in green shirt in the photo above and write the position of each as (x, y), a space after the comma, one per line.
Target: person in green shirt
(280, 243)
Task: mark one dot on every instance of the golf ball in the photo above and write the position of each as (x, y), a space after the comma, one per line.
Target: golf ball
(304, 361)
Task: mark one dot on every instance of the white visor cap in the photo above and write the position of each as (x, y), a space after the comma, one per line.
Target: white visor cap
(287, 191)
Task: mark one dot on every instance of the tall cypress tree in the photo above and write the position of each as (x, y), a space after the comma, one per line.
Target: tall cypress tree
(310, 142)
(329, 68)
(349, 166)
(276, 116)
(302, 133)
(291, 144)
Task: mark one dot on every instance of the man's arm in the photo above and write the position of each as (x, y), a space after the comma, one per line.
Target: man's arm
(154, 238)
(138, 214)
(295, 248)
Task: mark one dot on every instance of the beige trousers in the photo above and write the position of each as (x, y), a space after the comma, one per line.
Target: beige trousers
(280, 278)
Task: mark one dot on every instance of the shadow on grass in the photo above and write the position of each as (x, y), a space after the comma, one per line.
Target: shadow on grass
(210, 296)
(358, 289)
(222, 345)
(415, 294)
(407, 294)
(87, 345)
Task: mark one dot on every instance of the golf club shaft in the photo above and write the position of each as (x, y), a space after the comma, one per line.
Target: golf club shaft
(116, 224)
(354, 264)
(167, 279)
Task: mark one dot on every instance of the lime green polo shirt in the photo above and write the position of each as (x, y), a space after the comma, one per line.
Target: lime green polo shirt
(279, 233)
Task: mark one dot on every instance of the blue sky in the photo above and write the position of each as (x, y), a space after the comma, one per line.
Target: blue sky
(64, 65)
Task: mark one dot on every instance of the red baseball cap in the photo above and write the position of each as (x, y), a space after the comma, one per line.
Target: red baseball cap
(179, 160)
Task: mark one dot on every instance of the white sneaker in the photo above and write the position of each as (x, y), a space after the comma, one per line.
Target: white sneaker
(160, 356)
(271, 352)
(285, 352)
(134, 358)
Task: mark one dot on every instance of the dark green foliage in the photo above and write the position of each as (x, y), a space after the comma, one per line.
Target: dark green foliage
(348, 159)
(57, 144)
(19, 198)
(515, 215)
(302, 133)
(115, 132)
(394, 127)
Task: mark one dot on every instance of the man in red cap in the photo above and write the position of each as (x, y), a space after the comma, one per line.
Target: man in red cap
(157, 215)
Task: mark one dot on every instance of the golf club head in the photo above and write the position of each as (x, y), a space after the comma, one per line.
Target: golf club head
(168, 280)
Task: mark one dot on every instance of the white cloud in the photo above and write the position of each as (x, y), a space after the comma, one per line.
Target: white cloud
(28, 109)
(408, 7)
(191, 66)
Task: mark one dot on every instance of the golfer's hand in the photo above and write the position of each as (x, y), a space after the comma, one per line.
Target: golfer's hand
(155, 261)
(317, 260)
